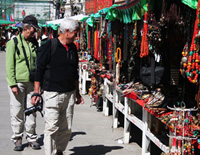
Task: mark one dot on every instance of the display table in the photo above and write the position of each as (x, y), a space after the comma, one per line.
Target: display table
(83, 76)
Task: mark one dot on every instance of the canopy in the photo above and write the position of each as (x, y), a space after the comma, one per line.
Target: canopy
(190, 3)
(128, 13)
(55, 22)
(6, 22)
(77, 17)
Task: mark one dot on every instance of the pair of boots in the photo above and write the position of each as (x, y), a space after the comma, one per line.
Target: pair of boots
(35, 145)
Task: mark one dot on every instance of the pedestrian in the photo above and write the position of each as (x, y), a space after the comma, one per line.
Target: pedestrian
(8, 34)
(14, 34)
(58, 72)
(20, 87)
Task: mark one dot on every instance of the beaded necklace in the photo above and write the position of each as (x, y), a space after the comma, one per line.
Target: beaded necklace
(191, 62)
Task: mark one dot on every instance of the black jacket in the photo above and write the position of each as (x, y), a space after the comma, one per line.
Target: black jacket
(57, 71)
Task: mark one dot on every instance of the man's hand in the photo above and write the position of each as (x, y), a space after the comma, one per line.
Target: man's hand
(34, 100)
(79, 99)
(14, 90)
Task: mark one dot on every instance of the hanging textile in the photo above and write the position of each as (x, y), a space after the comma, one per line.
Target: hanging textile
(144, 44)
(11, 19)
(4, 16)
(96, 52)
(46, 31)
(77, 43)
(50, 33)
(87, 36)
(109, 46)
(8, 18)
(89, 40)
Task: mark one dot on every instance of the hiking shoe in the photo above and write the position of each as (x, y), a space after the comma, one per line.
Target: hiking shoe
(18, 145)
(35, 145)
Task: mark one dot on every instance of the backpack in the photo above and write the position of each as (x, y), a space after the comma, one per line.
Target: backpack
(53, 45)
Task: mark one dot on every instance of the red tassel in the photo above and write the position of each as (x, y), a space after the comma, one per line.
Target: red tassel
(89, 40)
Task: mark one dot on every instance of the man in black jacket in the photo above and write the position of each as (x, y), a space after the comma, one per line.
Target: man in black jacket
(57, 70)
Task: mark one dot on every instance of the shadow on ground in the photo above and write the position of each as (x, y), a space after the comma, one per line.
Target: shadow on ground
(76, 133)
(41, 138)
(94, 149)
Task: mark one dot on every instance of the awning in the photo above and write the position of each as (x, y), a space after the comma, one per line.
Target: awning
(77, 18)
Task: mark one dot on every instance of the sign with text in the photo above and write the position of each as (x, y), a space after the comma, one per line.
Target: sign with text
(31, 8)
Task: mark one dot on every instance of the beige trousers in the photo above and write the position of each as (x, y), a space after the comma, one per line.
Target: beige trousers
(17, 105)
(58, 114)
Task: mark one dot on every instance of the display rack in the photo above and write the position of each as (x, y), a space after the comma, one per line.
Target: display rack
(129, 108)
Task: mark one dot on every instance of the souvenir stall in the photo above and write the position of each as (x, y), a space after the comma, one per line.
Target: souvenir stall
(155, 48)
(95, 66)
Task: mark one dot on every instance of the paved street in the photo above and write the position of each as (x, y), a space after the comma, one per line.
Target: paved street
(92, 132)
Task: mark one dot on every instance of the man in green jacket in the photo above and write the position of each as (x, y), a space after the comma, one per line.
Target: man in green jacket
(19, 86)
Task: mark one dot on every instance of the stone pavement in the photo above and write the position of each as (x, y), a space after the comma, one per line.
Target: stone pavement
(92, 132)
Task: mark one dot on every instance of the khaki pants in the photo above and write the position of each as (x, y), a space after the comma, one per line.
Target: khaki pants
(59, 109)
(17, 105)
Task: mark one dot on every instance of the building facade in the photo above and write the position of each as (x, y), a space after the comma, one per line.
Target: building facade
(6, 9)
(43, 10)
(74, 7)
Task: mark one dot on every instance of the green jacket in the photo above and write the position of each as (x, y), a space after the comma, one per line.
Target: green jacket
(16, 68)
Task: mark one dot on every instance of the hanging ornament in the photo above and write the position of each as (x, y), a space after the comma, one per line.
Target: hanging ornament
(184, 59)
(118, 57)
